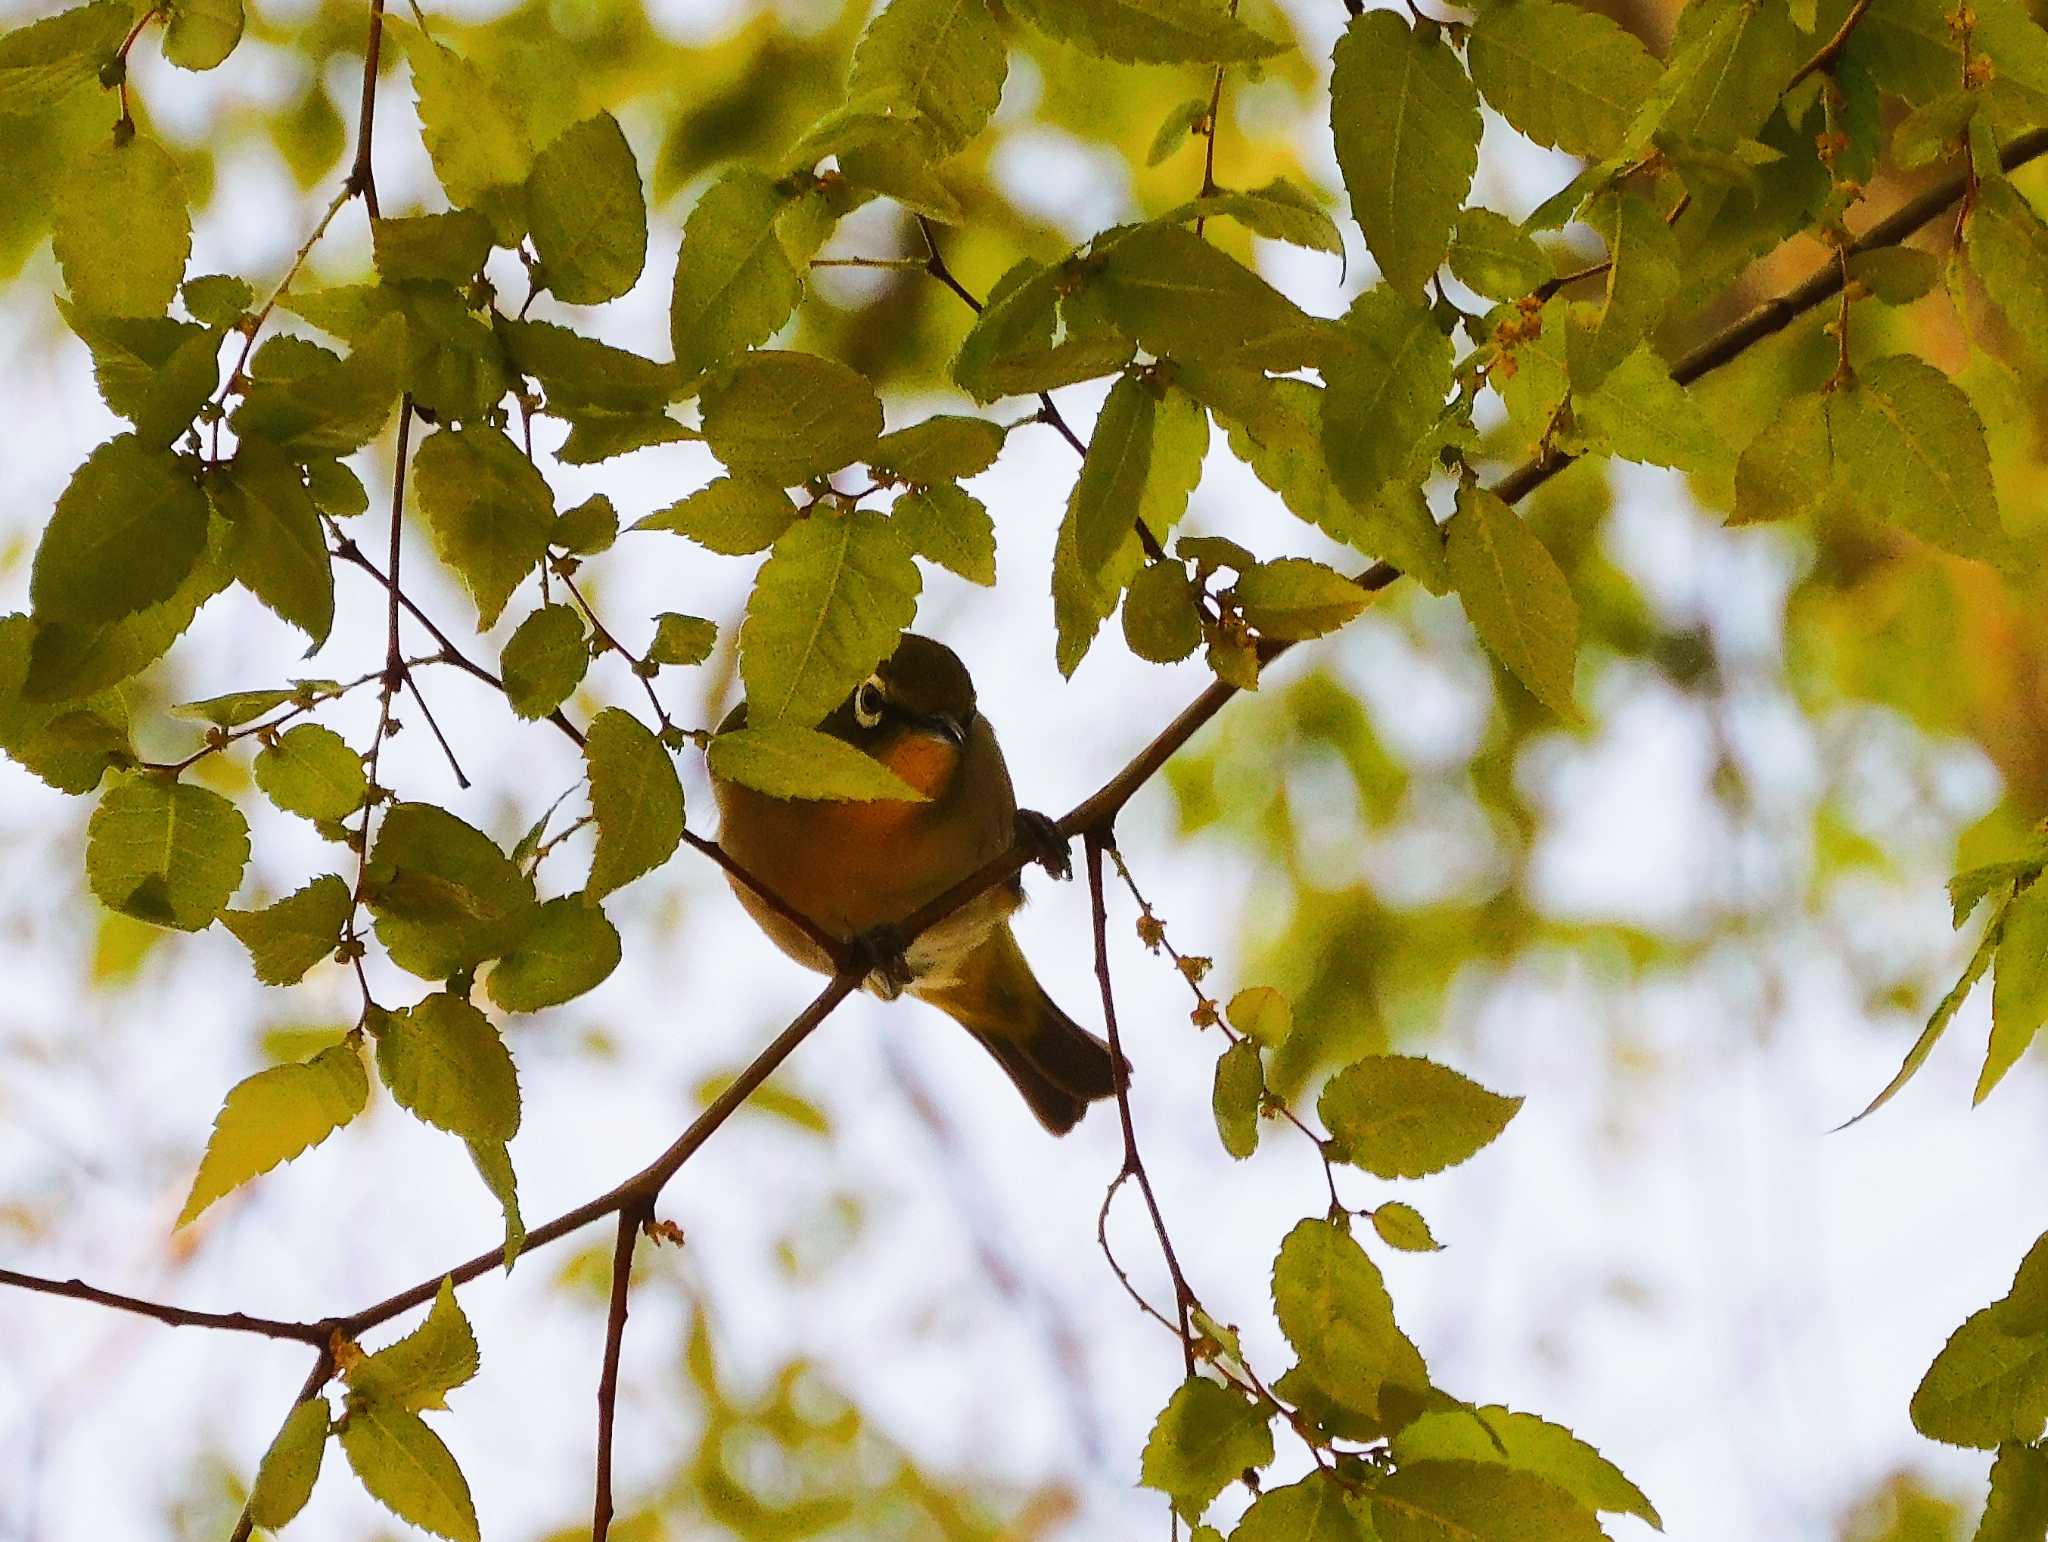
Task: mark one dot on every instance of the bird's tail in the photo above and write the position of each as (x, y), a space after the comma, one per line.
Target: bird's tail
(1059, 1066)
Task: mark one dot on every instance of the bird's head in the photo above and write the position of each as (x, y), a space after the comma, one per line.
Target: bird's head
(922, 690)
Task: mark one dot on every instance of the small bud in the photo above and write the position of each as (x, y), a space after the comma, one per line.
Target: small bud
(1204, 1014)
(1151, 932)
(1195, 967)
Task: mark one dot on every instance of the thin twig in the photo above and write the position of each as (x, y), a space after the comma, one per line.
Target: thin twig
(1825, 56)
(176, 1316)
(631, 1218)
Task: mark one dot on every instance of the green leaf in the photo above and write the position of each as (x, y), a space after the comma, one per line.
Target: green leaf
(1279, 211)
(2017, 1510)
(1335, 1311)
(1181, 297)
(488, 509)
(1162, 614)
(1989, 1384)
(276, 545)
(1205, 1437)
(2019, 985)
(544, 660)
(288, 938)
(733, 516)
(582, 376)
(1313, 1510)
(446, 248)
(1788, 469)
(680, 639)
(940, 62)
(1181, 125)
(475, 135)
(940, 449)
(233, 709)
(405, 1467)
(588, 213)
(787, 417)
(1728, 62)
(2008, 245)
(1113, 474)
(1385, 393)
(1920, 457)
(1476, 1502)
(128, 529)
(1406, 121)
(217, 299)
(1565, 77)
(311, 771)
(636, 799)
(787, 761)
(272, 1117)
(454, 363)
(310, 402)
(1899, 275)
(1402, 1226)
(1516, 597)
(1943, 1014)
(1643, 276)
(1640, 413)
(828, 605)
(588, 529)
(165, 852)
(1239, 1088)
(285, 1479)
(68, 662)
(1032, 337)
(1263, 1013)
(154, 372)
(1527, 1444)
(1398, 1116)
(121, 230)
(570, 948)
(735, 285)
(418, 1372)
(944, 524)
(200, 34)
(44, 62)
(447, 1065)
(494, 1166)
(444, 896)
(1148, 31)
(1493, 256)
(1292, 598)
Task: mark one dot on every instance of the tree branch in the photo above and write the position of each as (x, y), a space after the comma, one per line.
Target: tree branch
(631, 1218)
(176, 1316)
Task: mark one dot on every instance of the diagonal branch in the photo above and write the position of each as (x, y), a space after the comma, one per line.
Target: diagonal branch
(631, 1218)
(176, 1316)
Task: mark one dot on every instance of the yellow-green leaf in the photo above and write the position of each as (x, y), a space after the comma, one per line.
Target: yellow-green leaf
(272, 1117)
(788, 761)
(165, 852)
(418, 1371)
(128, 529)
(636, 799)
(570, 948)
(406, 1468)
(310, 771)
(1516, 597)
(446, 1064)
(288, 938)
(1204, 1439)
(121, 229)
(588, 213)
(285, 1478)
(1398, 1116)
(786, 417)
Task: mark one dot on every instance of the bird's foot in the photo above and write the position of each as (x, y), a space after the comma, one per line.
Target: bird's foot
(1049, 848)
(880, 952)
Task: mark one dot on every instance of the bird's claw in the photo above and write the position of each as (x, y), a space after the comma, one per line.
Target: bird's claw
(1049, 848)
(880, 952)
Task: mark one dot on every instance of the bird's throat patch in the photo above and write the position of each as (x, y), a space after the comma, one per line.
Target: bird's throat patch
(926, 761)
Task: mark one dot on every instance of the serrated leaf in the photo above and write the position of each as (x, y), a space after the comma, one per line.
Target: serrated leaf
(1399, 1116)
(584, 377)
(1429, 1501)
(949, 526)
(154, 372)
(1384, 394)
(199, 34)
(1727, 65)
(1898, 275)
(1313, 1510)
(1292, 598)
(588, 529)
(1565, 77)
(120, 229)
(1989, 1384)
(321, 406)
(405, 1467)
(1491, 255)
(475, 135)
(217, 299)
(588, 213)
(636, 799)
(165, 852)
(128, 529)
(680, 639)
(494, 1166)
(488, 509)
(1788, 469)
(418, 1371)
(1204, 1438)
(1641, 414)
(544, 660)
(311, 771)
(1262, 1012)
(2017, 1509)
(788, 761)
(1031, 337)
(1943, 1014)
(570, 948)
(1639, 283)
(1279, 211)
(1402, 1226)
(272, 1117)
(44, 62)
(1528, 1444)
(733, 516)
(828, 605)
(1104, 502)
(1179, 126)
(940, 449)
(786, 417)
(940, 62)
(735, 285)
(1335, 1311)
(1920, 457)
(288, 938)
(1516, 596)
(276, 544)
(1239, 1087)
(444, 896)
(445, 248)
(2019, 985)
(1181, 297)
(1148, 31)
(290, 1468)
(68, 662)
(2008, 246)
(1162, 614)
(444, 1063)
(1406, 122)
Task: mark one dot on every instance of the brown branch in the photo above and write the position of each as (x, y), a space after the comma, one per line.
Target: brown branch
(362, 175)
(631, 1218)
(1824, 57)
(176, 1316)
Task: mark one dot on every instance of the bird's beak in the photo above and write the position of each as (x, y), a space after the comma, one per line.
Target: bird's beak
(946, 726)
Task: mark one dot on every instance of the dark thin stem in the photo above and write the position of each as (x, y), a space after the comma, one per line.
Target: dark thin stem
(362, 176)
(176, 1316)
(631, 1219)
(427, 712)
(1824, 57)
(613, 645)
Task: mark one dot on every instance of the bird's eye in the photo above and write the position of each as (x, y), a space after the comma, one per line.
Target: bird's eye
(868, 703)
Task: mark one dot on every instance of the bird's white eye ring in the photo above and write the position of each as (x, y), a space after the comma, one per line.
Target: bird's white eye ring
(868, 702)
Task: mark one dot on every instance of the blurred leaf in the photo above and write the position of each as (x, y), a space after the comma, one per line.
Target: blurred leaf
(1148, 31)
(1240, 1087)
(45, 61)
(273, 1116)
(1516, 597)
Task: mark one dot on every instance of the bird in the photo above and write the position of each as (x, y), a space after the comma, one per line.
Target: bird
(857, 869)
